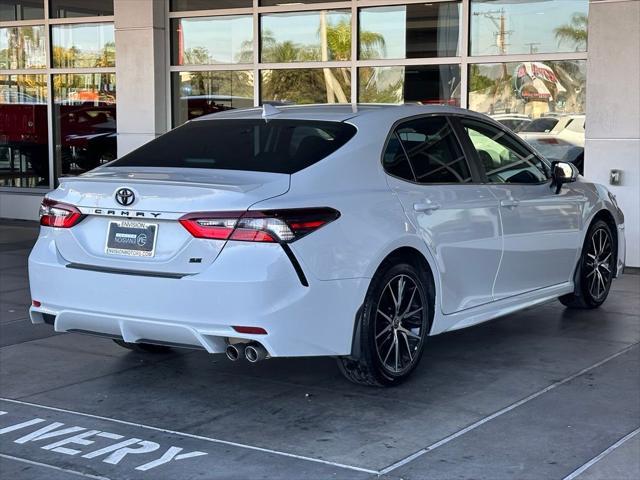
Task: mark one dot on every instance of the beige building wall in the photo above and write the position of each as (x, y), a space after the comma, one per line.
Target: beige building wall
(613, 107)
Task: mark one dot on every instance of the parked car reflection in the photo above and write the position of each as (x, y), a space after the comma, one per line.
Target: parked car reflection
(87, 134)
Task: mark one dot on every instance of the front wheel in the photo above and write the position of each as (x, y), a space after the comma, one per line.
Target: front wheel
(596, 269)
(395, 322)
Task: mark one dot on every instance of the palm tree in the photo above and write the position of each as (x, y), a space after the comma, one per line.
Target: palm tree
(574, 32)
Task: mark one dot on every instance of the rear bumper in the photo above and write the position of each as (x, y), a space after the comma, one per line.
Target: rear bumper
(245, 286)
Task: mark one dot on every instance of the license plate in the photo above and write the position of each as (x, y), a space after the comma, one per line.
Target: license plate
(135, 239)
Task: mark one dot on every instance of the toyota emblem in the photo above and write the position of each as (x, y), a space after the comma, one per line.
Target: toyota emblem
(125, 197)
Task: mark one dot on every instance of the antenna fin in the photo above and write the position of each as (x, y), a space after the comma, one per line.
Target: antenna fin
(268, 110)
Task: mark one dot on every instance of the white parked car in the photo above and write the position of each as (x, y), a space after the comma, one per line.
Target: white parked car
(562, 139)
(513, 121)
(345, 231)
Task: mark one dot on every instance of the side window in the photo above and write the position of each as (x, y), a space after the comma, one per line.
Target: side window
(502, 157)
(395, 161)
(433, 150)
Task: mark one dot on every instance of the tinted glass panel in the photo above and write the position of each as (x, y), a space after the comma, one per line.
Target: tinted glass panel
(500, 27)
(80, 8)
(22, 47)
(531, 88)
(395, 161)
(84, 45)
(318, 85)
(210, 40)
(425, 84)
(503, 158)
(84, 117)
(433, 151)
(200, 93)
(21, 10)
(279, 146)
(24, 156)
(306, 36)
(185, 5)
(409, 31)
(540, 125)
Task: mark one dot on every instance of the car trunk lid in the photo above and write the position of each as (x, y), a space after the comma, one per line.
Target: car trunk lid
(161, 197)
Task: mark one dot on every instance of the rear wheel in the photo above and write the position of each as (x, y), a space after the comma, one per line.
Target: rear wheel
(394, 324)
(143, 347)
(596, 269)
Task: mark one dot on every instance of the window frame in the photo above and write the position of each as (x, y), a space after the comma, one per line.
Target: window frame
(474, 172)
(515, 138)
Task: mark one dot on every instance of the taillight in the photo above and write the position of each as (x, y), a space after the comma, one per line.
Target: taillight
(58, 214)
(258, 226)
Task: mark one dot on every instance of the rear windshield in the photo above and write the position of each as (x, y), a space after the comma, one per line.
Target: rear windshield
(540, 125)
(278, 146)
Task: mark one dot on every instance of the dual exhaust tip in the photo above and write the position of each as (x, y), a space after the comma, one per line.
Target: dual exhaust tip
(252, 352)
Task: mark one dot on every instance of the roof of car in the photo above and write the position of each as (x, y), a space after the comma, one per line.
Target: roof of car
(335, 112)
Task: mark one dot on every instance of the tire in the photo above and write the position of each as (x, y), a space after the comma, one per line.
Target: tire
(595, 269)
(392, 333)
(143, 347)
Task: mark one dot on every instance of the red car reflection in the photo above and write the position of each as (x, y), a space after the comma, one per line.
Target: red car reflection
(86, 139)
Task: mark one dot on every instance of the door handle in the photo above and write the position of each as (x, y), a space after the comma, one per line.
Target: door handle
(509, 203)
(426, 207)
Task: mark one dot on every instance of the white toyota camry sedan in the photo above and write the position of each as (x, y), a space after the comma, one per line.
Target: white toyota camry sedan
(347, 231)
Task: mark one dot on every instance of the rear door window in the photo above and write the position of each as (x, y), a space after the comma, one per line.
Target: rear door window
(277, 146)
(433, 151)
(394, 160)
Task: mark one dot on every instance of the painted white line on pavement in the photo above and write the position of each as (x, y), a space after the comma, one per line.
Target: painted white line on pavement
(53, 467)
(501, 412)
(197, 437)
(597, 458)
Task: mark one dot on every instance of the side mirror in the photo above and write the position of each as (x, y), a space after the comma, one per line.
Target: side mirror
(563, 172)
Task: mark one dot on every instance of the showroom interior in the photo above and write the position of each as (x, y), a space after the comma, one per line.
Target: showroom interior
(547, 393)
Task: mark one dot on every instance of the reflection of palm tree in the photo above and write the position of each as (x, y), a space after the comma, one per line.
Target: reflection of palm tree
(302, 85)
(574, 32)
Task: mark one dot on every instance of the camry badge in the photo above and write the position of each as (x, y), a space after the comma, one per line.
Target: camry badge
(125, 197)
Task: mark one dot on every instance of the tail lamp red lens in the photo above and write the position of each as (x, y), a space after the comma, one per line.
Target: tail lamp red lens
(58, 214)
(258, 226)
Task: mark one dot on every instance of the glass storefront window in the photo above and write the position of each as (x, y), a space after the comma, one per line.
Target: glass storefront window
(535, 98)
(211, 40)
(80, 8)
(24, 155)
(22, 47)
(306, 36)
(502, 27)
(11, 10)
(409, 31)
(84, 118)
(83, 45)
(428, 84)
(186, 5)
(529, 88)
(306, 85)
(199, 93)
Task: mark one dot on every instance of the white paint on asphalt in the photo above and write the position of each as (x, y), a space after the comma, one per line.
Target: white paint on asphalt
(501, 412)
(124, 445)
(599, 457)
(52, 467)
(116, 452)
